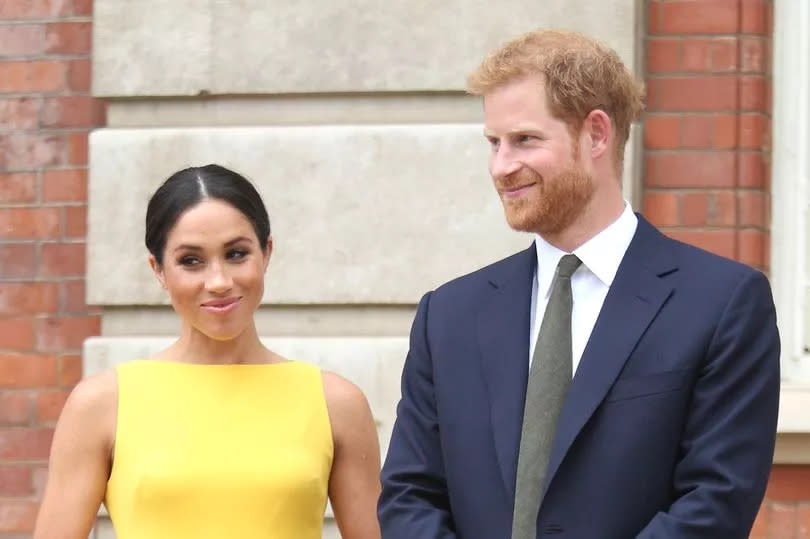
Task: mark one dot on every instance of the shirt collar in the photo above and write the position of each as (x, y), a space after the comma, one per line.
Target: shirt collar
(601, 255)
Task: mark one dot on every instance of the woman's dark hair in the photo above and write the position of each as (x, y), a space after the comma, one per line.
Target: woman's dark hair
(187, 187)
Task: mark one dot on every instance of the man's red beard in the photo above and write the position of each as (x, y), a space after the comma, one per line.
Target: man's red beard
(553, 203)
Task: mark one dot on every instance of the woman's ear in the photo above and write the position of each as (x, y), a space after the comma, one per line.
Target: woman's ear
(158, 270)
(267, 252)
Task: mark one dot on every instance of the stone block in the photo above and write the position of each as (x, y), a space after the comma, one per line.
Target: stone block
(368, 214)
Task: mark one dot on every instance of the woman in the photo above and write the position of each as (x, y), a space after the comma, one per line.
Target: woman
(216, 436)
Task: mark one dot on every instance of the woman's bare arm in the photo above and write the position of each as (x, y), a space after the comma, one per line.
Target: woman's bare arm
(354, 484)
(80, 460)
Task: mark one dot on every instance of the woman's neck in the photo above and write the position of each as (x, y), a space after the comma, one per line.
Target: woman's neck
(196, 347)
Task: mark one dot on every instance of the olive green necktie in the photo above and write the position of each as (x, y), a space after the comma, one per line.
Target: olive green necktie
(549, 378)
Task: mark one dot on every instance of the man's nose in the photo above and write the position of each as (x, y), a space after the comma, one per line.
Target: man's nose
(502, 163)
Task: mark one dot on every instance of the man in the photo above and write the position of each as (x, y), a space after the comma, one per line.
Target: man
(606, 383)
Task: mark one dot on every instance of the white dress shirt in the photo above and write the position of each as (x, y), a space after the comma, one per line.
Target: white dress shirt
(600, 256)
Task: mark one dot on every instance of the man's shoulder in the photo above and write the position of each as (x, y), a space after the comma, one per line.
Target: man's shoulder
(695, 259)
(489, 275)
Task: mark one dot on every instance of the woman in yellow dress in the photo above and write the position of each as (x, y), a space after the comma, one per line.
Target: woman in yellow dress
(216, 436)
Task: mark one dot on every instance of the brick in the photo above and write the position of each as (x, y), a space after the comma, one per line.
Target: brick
(753, 94)
(63, 260)
(724, 131)
(751, 247)
(17, 260)
(661, 208)
(754, 19)
(70, 370)
(65, 185)
(68, 37)
(789, 483)
(761, 523)
(21, 39)
(17, 333)
(25, 152)
(17, 516)
(82, 7)
(661, 132)
(663, 55)
(73, 111)
(705, 17)
(754, 129)
(784, 520)
(690, 169)
(77, 148)
(26, 371)
(752, 208)
(724, 55)
(62, 334)
(79, 75)
(18, 187)
(25, 443)
(751, 169)
(29, 223)
(697, 55)
(695, 210)
(19, 113)
(15, 480)
(32, 76)
(33, 9)
(28, 298)
(73, 294)
(804, 521)
(76, 222)
(50, 404)
(15, 409)
(696, 131)
(722, 208)
(653, 17)
(720, 242)
(709, 93)
(753, 57)
(39, 478)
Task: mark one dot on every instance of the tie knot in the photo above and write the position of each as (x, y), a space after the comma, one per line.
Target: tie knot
(568, 265)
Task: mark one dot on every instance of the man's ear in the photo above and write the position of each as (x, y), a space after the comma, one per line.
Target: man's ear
(158, 270)
(267, 252)
(600, 132)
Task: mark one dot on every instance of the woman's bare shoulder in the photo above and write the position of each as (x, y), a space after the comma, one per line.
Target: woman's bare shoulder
(94, 399)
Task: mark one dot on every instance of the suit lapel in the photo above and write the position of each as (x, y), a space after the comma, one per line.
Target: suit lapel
(633, 301)
(503, 337)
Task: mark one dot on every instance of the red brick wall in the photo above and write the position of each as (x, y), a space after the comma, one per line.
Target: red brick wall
(45, 115)
(706, 161)
(707, 131)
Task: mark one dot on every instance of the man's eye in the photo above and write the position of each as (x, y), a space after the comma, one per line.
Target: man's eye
(493, 142)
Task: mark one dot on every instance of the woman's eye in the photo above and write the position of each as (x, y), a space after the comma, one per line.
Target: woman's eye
(237, 254)
(190, 261)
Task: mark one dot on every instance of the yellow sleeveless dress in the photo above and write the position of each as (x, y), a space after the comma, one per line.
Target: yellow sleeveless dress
(220, 451)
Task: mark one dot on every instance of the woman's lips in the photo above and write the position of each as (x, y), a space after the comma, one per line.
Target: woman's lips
(221, 306)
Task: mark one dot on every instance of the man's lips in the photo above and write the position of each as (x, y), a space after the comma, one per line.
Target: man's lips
(515, 191)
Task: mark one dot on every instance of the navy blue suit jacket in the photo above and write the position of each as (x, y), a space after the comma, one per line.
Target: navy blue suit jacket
(668, 429)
